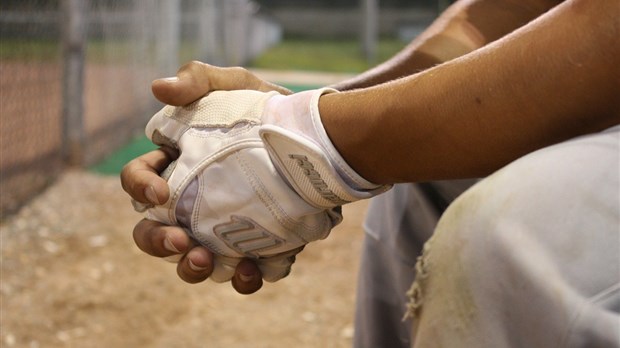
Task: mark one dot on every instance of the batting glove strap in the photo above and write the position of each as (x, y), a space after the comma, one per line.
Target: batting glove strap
(303, 153)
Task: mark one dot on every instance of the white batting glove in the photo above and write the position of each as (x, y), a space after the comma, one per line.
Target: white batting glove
(257, 177)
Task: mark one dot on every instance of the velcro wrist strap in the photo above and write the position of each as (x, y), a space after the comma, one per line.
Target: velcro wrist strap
(306, 167)
(299, 146)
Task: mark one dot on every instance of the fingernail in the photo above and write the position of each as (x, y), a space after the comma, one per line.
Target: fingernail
(170, 79)
(245, 277)
(170, 247)
(150, 194)
(194, 267)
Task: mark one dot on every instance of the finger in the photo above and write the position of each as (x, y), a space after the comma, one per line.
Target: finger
(223, 268)
(140, 177)
(247, 279)
(236, 77)
(196, 266)
(180, 90)
(193, 80)
(160, 240)
(278, 266)
(196, 79)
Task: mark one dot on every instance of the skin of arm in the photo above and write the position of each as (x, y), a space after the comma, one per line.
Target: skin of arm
(464, 27)
(553, 79)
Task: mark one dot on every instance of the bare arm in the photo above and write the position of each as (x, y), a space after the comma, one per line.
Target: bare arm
(464, 27)
(551, 80)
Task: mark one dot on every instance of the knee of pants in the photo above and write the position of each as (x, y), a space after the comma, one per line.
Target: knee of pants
(525, 246)
(558, 207)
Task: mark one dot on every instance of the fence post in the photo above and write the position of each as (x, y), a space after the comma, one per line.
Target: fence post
(209, 32)
(370, 31)
(168, 36)
(73, 42)
(235, 25)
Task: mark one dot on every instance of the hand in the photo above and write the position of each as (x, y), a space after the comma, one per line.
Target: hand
(196, 79)
(140, 178)
(195, 262)
(257, 177)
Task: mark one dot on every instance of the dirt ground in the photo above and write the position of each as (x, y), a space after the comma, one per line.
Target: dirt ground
(72, 277)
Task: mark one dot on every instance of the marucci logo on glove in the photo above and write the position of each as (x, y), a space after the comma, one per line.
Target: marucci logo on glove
(315, 179)
(246, 236)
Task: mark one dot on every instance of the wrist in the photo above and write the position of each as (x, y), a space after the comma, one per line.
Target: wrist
(303, 153)
(300, 114)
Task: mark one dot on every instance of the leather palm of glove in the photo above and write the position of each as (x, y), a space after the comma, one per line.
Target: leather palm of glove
(257, 177)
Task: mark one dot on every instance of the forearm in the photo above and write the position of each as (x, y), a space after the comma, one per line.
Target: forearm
(554, 79)
(464, 27)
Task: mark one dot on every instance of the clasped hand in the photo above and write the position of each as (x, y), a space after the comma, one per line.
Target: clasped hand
(246, 174)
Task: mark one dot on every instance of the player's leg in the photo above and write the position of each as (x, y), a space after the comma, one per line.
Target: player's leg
(398, 222)
(529, 257)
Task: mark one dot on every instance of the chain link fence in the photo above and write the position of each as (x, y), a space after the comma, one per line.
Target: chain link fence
(75, 75)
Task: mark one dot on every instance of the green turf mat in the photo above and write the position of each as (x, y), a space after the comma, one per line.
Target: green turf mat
(113, 164)
(299, 88)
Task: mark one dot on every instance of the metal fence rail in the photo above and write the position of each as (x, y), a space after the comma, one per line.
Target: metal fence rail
(75, 75)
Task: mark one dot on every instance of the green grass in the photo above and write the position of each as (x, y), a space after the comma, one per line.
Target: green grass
(96, 51)
(321, 55)
(292, 54)
(30, 50)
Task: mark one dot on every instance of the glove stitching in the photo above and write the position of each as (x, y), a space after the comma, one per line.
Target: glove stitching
(208, 132)
(196, 168)
(267, 199)
(197, 205)
(191, 114)
(195, 223)
(274, 208)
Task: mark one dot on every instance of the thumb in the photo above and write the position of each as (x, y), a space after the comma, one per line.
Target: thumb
(192, 81)
(178, 91)
(196, 79)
